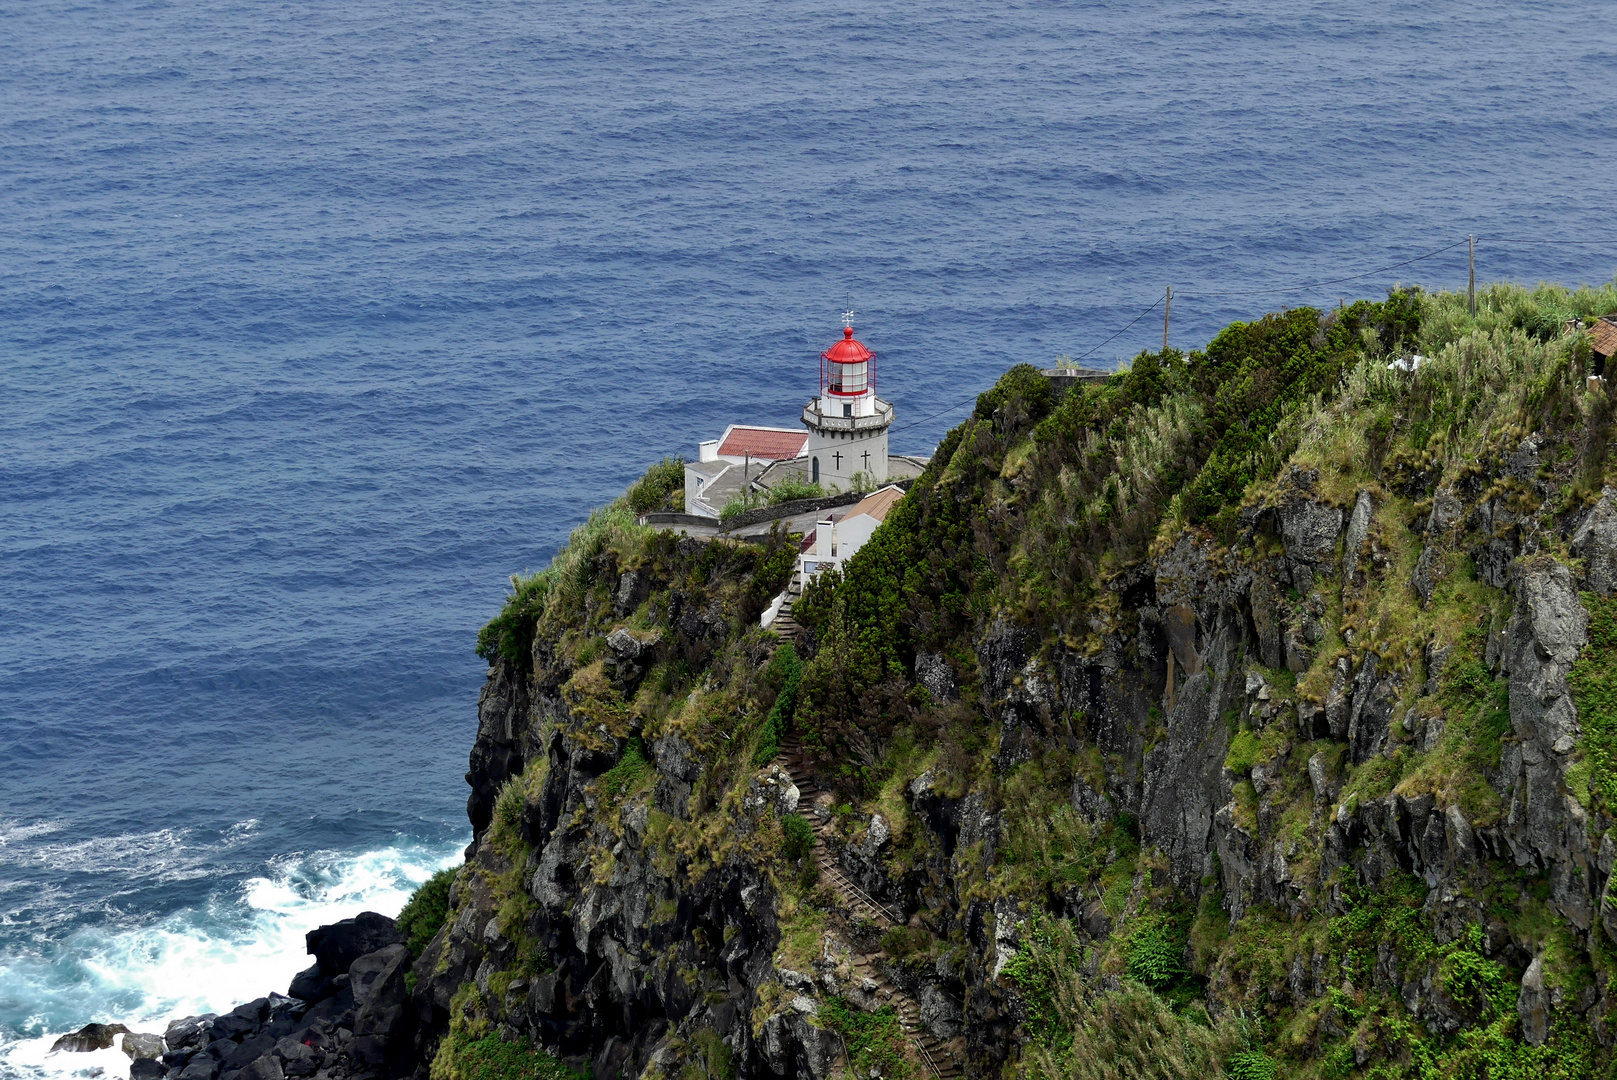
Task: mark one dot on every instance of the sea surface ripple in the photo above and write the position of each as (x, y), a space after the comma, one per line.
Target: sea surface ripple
(317, 320)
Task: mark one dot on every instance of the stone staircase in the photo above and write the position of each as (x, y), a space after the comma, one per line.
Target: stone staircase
(940, 1060)
(784, 624)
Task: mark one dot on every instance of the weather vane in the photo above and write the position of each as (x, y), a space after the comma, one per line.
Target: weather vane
(847, 317)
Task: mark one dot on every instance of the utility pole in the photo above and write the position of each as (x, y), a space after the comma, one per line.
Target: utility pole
(1471, 289)
(1167, 307)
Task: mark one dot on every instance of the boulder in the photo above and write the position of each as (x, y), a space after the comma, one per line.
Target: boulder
(203, 1066)
(1596, 544)
(297, 1059)
(1533, 1005)
(933, 672)
(251, 1048)
(310, 985)
(241, 1020)
(190, 1033)
(89, 1037)
(382, 1029)
(1358, 531)
(1308, 529)
(138, 1045)
(337, 946)
(146, 1069)
(265, 1068)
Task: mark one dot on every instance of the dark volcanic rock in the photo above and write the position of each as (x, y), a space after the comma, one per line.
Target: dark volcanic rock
(191, 1033)
(337, 946)
(89, 1037)
(142, 1045)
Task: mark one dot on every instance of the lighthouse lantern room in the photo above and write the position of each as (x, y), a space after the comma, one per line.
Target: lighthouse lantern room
(847, 423)
(847, 378)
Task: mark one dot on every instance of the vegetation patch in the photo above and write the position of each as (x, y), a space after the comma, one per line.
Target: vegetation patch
(785, 667)
(491, 1058)
(424, 913)
(1594, 690)
(633, 771)
(875, 1040)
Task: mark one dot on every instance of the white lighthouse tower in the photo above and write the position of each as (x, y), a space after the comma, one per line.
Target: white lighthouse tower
(847, 423)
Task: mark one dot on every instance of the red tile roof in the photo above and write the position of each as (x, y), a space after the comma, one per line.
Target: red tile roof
(763, 443)
(1604, 335)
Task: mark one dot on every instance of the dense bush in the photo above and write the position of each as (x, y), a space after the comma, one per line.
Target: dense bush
(510, 633)
(425, 911)
(797, 837)
(1251, 1065)
(652, 490)
(785, 667)
(632, 770)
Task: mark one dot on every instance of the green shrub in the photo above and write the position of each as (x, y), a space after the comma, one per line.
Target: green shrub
(651, 491)
(510, 633)
(1156, 952)
(1244, 751)
(902, 942)
(508, 807)
(424, 913)
(798, 839)
(785, 666)
(711, 1058)
(874, 1039)
(1594, 691)
(491, 1058)
(633, 769)
(1251, 1065)
(789, 490)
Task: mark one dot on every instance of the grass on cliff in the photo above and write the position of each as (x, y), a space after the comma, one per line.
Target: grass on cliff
(1076, 1033)
(1593, 778)
(461, 1057)
(875, 1040)
(424, 913)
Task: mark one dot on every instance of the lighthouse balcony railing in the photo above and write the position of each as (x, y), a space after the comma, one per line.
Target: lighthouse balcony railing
(880, 418)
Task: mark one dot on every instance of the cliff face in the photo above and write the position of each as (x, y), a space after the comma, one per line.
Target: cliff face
(1251, 714)
(1312, 773)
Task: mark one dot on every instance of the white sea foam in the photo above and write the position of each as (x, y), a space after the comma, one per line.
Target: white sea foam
(209, 959)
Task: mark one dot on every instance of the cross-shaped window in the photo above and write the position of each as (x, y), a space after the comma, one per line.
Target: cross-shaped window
(837, 458)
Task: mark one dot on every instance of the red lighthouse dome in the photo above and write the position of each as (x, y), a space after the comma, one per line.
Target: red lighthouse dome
(847, 368)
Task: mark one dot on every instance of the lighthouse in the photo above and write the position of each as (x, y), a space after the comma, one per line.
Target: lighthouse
(847, 423)
(844, 449)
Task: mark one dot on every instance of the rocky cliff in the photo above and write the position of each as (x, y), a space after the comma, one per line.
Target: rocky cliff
(1249, 714)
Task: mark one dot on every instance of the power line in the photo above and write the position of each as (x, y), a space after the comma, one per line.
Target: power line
(1273, 290)
(1331, 281)
(1121, 332)
(1504, 240)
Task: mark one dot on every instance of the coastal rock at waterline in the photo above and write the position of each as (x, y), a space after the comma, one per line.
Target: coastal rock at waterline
(139, 1044)
(89, 1037)
(146, 1069)
(337, 946)
(191, 1033)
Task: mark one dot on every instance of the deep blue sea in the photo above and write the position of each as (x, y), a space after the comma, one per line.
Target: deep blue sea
(317, 320)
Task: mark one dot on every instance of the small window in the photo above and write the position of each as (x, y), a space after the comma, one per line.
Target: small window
(815, 479)
(847, 408)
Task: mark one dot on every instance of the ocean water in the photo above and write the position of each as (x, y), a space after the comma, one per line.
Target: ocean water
(318, 320)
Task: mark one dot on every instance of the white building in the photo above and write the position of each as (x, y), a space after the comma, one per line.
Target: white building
(844, 446)
(836, 540)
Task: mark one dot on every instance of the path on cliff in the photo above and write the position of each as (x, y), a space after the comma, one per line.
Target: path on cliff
(940, 1060)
